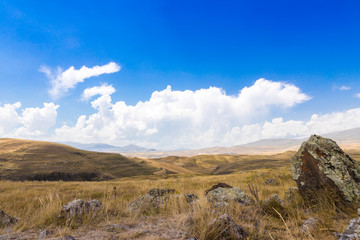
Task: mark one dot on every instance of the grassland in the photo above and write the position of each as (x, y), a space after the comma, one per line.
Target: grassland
(38, 204)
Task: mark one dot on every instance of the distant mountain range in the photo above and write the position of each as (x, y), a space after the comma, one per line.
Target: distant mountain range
(348, 139)
(100, 147)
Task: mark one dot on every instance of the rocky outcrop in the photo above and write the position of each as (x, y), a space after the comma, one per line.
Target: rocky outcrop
(222, 194)
(151, 200)
(321, 167)
(224, 228)
(79, 207)
(6, 220)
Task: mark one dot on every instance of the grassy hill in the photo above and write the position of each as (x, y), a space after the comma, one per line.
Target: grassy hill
(37, 160)
(225, 164)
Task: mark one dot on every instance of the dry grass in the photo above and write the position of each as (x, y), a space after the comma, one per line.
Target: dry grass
(38, 204)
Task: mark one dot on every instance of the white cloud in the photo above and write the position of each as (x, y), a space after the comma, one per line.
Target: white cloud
(357, 95)
(61, 81)
(344, 88)
(278, 128)
(9, 117)
(30, 122)
(103, 89)
(175, 119)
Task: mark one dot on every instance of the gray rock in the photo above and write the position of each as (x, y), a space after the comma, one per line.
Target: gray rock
(352, 232)
(116, 227)
(224, 228)
(6, 220)
(69, 237)
(310, 225)
(190, 198)
(271, 181)
(219, 185)
(79, 207)
(321, 167)
(151, 200)
(226, 195)
(274, 206)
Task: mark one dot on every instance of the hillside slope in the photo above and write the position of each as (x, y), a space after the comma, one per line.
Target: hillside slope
(37, 160)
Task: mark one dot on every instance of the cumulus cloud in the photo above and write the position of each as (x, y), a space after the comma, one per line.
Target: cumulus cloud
(357, 95)
(61, 81)
(174, 119)
(29, 122)
(9, 117)
(278, 128)
(103, 89)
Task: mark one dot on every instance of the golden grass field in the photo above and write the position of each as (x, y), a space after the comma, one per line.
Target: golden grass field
(38, 204)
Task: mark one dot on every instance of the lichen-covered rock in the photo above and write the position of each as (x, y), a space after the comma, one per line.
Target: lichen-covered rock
(274, 206)
(224, 228)
(310, 225)
(221, 195)
(352, 232)
(79, 207)
(6, 220)
(321, 167)
(219, 185)
(191, 197)
(151, 200)
(271, 181)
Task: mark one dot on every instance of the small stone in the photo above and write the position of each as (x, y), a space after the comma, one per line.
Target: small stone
(6, 220)
(190, 198)
(116, 227)
(274, 206)
(79, 207)
(69, 237)
(310, 225)
(223, 228)
(290, 194)
(151, 200)
(271, 181)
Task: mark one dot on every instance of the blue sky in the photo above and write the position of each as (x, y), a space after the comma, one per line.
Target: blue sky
(310, 45)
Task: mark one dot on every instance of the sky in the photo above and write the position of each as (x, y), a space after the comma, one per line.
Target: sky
(178, 74)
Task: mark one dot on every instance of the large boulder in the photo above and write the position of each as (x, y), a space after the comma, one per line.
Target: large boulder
(221, 195)
(224, 228)
(151, 200)
(321, 167)
(6, 220)
(79, 207)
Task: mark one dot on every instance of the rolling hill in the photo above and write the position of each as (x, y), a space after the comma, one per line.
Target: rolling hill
(38, 160)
